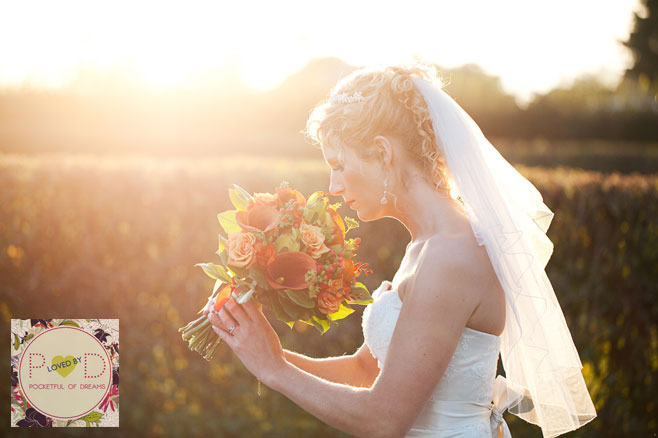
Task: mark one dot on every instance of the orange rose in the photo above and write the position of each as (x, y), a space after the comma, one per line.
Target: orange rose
(286, 194)
(241, 249)
(336, 286)
(265, 254)
(328, 302)
(313, 239)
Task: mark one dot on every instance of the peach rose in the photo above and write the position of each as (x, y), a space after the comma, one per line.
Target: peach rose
(265, 199)
(328, 302)
(314, 240)
(241, 249)
(258, 218)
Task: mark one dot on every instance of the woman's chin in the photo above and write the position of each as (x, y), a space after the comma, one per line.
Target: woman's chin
(363, 215)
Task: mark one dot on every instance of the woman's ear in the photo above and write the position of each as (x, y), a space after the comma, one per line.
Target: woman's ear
(385, 150)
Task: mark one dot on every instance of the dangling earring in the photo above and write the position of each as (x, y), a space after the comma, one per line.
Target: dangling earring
(384, 201)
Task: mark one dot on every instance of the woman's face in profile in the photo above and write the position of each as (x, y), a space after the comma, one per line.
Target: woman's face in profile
(358, 181)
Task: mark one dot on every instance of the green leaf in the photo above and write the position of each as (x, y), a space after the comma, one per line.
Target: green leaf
(239, 199)
(17, 342)
(290, 307)
(69, 323)
(92, 417)
(315, 196)
(286, 243)
(243, 192)
(300, 298)
(224, 258)
(215, 271)
(221, 246)
(28, 337)
(321, 324)
(259, 277)
(239, 272)
(315, 208)
(228, 222)
(276, 307)
(342, 312)
(360, 294)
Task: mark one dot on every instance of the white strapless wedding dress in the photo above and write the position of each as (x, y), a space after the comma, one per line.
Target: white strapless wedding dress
(461, 405)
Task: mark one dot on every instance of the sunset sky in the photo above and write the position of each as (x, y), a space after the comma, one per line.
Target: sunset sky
(532, 46)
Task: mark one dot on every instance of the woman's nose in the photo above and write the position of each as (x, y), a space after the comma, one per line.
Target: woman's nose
(335, 186)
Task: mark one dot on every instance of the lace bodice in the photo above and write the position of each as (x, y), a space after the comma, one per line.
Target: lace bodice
(461, 403)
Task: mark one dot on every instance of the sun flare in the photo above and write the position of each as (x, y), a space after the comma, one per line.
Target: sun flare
(188, 44)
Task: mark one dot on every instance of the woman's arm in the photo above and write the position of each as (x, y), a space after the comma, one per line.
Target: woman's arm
(436, 309)
(359, 369)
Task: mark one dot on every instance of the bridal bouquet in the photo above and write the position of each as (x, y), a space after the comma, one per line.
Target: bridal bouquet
(288, 253)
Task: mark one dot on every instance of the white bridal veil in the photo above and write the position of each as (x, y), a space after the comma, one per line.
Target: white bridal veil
(544, 383)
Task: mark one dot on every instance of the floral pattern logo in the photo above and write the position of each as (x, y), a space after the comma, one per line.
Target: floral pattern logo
(104, 332)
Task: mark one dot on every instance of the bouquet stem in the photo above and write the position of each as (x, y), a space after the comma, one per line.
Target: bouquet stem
(201, 337)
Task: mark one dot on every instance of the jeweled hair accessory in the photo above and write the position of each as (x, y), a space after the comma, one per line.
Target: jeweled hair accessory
(346, 98)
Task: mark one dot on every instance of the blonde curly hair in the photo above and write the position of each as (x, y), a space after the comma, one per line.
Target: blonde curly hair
(391, 106)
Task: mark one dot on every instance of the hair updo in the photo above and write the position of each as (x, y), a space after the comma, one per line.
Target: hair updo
(391, 106)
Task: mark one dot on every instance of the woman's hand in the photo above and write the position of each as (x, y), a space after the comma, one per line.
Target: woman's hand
(251, 337)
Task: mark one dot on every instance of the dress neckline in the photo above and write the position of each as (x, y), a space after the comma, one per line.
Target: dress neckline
(397, 295)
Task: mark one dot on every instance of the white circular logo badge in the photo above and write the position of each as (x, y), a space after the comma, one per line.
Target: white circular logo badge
(65, 372)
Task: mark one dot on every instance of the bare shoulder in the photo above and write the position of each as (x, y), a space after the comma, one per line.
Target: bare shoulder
(456, 258)
(441, 277)
(457, 272)
(466, 266)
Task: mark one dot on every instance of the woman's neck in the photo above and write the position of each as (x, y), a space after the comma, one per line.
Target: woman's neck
(426, 212)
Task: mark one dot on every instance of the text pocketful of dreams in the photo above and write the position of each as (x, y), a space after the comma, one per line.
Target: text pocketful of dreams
(60, 386)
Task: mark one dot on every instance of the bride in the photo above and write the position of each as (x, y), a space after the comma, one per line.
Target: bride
(471, 284)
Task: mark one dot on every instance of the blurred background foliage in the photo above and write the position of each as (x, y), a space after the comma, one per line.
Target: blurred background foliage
(109, 195)
(112, 117)
(120, 238)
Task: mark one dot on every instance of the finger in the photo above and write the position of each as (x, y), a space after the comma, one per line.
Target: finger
(227, 319)
(253, 309)
(225, 336)
(214, 319)
(237, 311)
